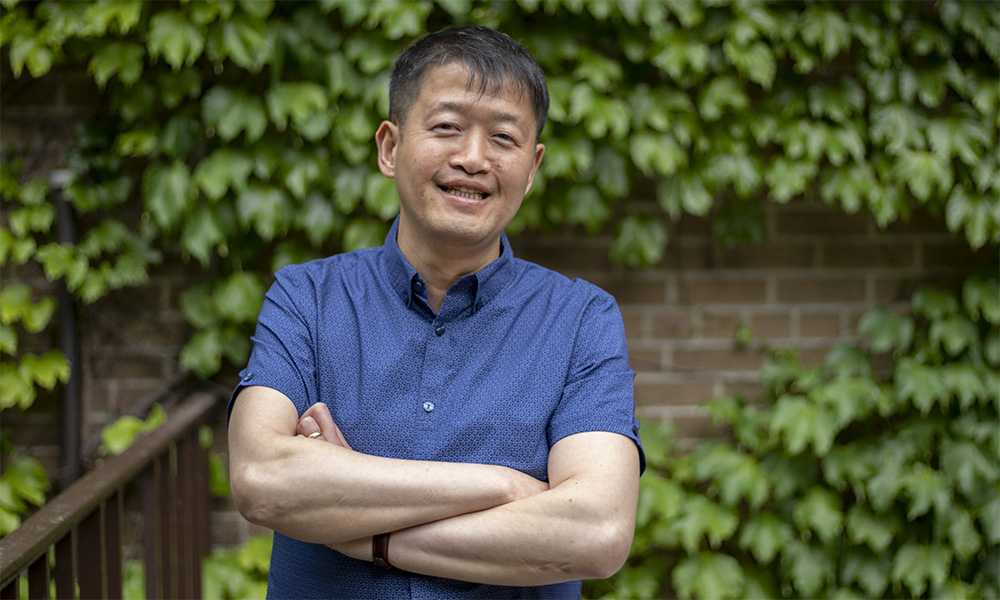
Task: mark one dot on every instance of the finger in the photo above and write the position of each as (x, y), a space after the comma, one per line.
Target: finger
(320, 415)
(307, 426)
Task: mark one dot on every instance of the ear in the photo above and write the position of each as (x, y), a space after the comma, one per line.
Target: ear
(539, 152)
(386, 139)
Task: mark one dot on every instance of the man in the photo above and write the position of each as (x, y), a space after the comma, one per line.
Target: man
(435, 418)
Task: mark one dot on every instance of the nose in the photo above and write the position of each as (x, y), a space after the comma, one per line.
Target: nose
(471, 155)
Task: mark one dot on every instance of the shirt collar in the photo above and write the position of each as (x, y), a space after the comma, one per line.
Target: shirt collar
(483, 285)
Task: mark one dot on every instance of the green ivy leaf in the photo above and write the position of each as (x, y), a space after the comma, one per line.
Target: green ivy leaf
(765, 536)
(789, 178)
(640, 241)
(920, 384)
(954, 334)
(295, 101)
(800, 423)
(708, 575)
(869, 571)
(700, 518)
(684, 192)
(820, 511)
(722, 94)
(927, 488)
(231, 112)
(363, 233)
(866, 527)
(266, 209)
(239, 297)
(916, 565)
(202, 354)
(123, 59)
(810, 569)
(380, 196)
(886, 330)
(318, 219)
(45, 370)
(224, 169)
(981, 298)
(826, 29)
(169, 193)
(657, 153)
(174, 38)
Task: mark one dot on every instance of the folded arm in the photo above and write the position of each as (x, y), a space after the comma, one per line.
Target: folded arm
(580, 528)
(326, 493)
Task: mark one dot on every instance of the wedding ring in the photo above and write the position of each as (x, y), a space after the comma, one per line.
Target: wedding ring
(314, 435)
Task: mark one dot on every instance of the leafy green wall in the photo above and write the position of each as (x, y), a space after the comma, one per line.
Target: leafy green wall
(237, 136)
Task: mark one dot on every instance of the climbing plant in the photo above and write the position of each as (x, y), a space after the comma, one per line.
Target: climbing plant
(236, 137)
(872, 475)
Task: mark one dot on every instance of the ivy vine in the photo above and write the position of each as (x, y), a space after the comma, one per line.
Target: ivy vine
(237, 136)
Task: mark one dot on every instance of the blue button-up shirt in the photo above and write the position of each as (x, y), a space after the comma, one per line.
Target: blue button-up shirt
(518, 358)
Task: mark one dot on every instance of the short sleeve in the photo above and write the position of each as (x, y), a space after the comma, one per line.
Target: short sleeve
(283, 356)
(598, 394)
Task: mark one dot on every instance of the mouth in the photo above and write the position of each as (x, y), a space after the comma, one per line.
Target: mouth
(465, 192)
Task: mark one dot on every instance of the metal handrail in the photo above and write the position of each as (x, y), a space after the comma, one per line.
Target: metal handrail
(83, 523)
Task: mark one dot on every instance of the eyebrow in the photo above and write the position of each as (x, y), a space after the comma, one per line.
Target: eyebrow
(461, 107)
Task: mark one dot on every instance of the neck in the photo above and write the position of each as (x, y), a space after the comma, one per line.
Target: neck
(442, 265)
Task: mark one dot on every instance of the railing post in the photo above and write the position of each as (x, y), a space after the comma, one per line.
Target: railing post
(65, 571)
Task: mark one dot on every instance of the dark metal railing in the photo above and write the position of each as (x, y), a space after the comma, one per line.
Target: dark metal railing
(75, 540)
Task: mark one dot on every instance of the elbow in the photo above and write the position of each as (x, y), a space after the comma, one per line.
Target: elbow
(251, 496)
(607, 551)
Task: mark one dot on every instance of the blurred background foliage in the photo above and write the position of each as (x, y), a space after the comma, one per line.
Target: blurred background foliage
(236, 136)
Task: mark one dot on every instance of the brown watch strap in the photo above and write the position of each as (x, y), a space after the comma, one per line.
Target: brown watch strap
(380, 551)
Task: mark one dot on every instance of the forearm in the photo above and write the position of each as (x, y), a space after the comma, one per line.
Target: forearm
(545, 539)
(579, 529)
(323, 493)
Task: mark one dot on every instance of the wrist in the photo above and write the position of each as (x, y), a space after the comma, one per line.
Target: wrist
(380, 551)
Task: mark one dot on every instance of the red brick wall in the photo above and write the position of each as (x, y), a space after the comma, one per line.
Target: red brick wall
(805, 287)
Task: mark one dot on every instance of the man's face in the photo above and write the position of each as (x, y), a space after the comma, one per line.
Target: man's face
(462, 162)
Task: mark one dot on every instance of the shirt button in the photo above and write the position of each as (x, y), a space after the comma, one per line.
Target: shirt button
(248, 377)
(428, 406)
(439, 330)
(418, 286)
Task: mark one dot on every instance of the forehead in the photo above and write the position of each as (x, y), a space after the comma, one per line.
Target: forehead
(454, 83)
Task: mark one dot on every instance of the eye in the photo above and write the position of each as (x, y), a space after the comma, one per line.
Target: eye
(506, 138)
(445, 127)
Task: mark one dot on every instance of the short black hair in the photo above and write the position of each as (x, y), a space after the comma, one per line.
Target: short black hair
(490, 56)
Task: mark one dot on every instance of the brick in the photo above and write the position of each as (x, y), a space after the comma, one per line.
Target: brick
(128, 367)
(669, 323)
(818, 221)
(867, 255)
(771, 325)
(819, 325)
(645, 359)
(649, 391)
(690, 425)
(769, 256)
(949, 253)
(821, 290)
(721, 291)
(689, 254)
(634, 325)
(749, 390)
(720, 359)
(631, 291)
(719, 325)
(570, 256)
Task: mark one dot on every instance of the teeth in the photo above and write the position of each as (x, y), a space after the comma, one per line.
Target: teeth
(466, 193)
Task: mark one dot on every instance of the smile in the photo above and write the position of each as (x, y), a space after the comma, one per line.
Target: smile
(469, 193)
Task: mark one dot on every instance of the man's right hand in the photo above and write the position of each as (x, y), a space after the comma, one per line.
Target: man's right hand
(317, 419)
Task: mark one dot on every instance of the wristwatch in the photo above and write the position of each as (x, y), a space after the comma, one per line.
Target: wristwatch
(380, 551)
